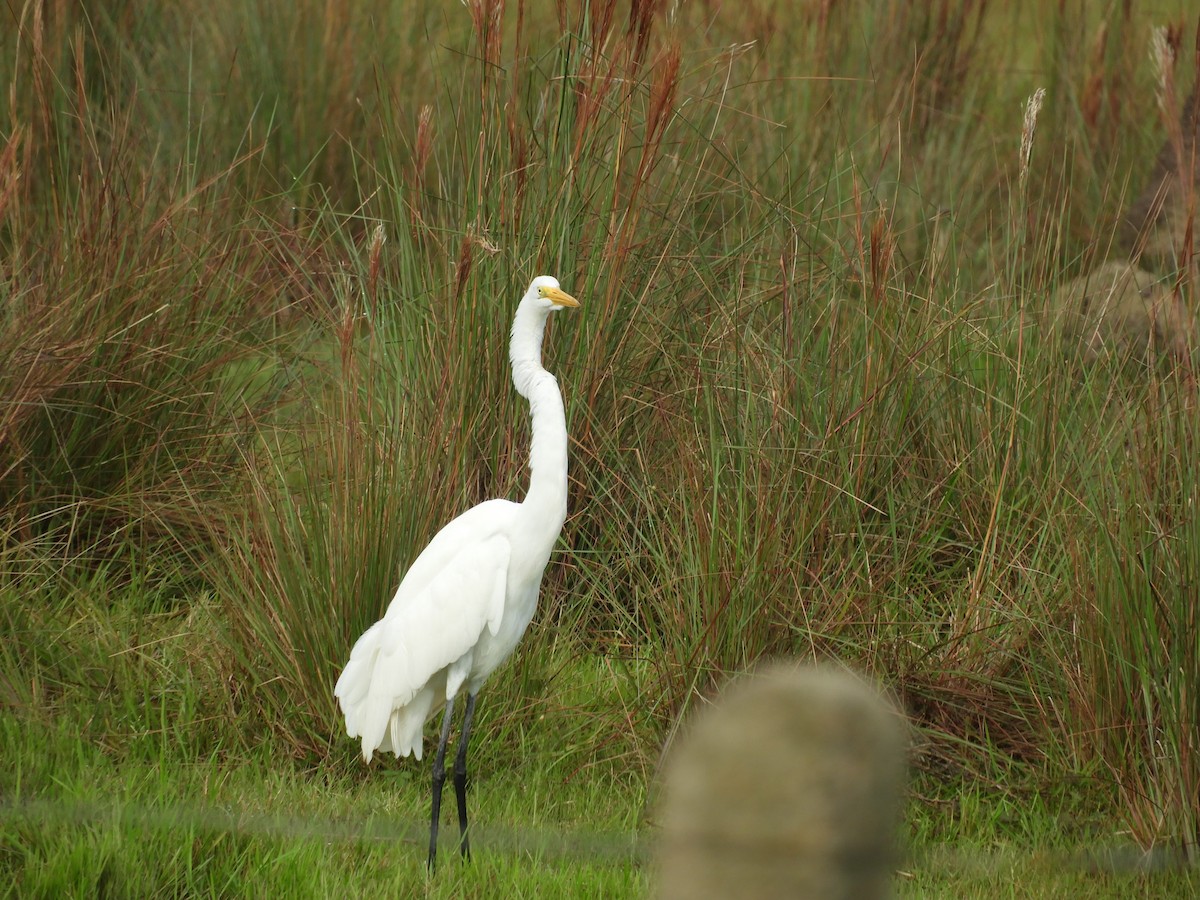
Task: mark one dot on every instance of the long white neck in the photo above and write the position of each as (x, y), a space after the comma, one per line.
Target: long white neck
(547, 497)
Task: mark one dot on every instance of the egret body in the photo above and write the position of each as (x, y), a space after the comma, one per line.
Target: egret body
(464, 604)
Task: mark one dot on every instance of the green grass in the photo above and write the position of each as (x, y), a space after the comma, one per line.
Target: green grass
(257, 273)
(79, 823)
(1052, 843)
(130, 784)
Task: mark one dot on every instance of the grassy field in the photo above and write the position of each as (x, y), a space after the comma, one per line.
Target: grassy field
(257, 269)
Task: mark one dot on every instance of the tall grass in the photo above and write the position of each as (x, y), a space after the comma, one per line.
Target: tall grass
(811, 408)
(125, 334)
(1137, 620)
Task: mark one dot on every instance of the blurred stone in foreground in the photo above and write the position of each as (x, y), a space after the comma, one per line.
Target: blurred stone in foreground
(789, 786)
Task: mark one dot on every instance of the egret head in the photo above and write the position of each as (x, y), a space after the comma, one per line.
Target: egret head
(546, 293)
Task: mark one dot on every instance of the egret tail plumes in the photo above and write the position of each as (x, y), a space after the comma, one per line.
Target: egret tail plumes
(463, 606)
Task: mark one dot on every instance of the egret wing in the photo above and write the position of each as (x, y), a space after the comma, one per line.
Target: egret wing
(432, 624)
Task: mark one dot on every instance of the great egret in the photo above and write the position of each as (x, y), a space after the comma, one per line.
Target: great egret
(463, 605)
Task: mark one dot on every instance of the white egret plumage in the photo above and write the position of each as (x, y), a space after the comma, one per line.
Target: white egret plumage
(465, 602)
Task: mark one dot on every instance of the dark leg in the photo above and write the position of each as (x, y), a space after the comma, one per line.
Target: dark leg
(439, 779)
(460, 778)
